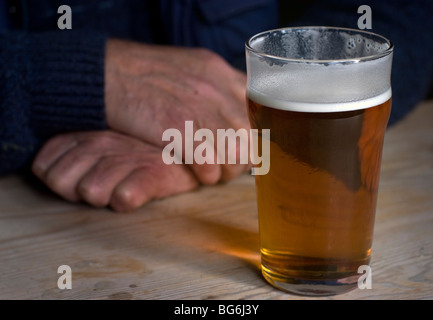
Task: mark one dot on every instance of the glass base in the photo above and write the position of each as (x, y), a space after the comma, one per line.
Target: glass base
(311, 287)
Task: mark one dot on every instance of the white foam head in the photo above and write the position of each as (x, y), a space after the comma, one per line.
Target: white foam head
(319, 69)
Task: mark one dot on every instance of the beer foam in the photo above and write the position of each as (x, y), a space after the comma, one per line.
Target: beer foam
(300, 106)
(317, 69)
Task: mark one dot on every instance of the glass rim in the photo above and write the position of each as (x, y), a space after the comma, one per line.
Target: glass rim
(378, 55)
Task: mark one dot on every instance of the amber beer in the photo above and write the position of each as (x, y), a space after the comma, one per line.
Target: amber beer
(317, 203)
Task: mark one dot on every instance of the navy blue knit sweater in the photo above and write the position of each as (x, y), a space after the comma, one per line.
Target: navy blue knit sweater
(52, 80)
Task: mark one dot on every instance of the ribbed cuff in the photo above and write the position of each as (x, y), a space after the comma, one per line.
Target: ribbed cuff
(66, 79)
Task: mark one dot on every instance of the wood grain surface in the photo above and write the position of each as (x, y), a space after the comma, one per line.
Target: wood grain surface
(205, 244)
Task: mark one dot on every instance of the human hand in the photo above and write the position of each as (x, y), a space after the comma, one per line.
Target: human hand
(153, 88)
(107, 168)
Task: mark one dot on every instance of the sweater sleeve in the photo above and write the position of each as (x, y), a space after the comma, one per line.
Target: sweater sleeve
(50, 83)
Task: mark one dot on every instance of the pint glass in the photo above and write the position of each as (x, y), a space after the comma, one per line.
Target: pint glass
(325, 95)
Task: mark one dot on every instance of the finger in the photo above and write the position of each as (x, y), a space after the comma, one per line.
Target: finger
(207, 174)
(97, 185)
(50, 152)
(235, 114)
(231, 172)
(64, 174)
(148, 183)
(196, 143)
(204, 156)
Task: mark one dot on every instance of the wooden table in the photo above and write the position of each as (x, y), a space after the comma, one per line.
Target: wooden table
(204, 244)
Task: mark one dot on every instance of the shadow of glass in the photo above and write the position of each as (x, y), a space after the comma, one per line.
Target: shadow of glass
(227, 239)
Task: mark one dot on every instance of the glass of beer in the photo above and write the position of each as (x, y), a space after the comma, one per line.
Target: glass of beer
(325, 95)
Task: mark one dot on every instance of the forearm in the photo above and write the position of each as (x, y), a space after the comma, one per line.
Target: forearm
(50, 83)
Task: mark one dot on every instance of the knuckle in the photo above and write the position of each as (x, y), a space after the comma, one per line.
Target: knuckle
(209, 56)
(104, 141)
(100, 140)
(204, 53)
